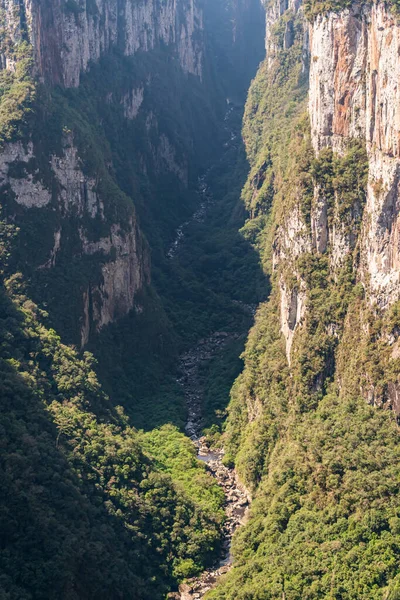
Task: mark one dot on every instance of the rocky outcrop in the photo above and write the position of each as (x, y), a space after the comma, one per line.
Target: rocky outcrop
(124, 274)
(354, 93)
(26, 189)
(292, 311)
(68, 34)
(280, 33)
(73, 195)
(132, 102)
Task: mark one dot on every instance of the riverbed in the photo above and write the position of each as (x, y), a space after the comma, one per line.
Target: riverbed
(236, 498)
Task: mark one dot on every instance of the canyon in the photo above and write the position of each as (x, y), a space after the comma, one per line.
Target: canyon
(200, 295)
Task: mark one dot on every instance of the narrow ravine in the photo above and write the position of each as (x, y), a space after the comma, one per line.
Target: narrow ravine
(237, 499)
(206, 200)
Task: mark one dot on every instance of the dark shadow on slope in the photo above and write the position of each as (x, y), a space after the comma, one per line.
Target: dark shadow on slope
(57, 540)
(213, 283)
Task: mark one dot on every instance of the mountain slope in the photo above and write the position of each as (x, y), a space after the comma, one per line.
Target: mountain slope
(320, 130)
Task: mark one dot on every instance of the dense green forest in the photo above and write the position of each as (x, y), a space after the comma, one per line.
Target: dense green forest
(102, 494)
(322, 465)
(89, 506)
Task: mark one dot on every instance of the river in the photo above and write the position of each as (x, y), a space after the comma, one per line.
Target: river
(236, 497)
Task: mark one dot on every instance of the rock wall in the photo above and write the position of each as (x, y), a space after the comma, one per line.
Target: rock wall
(353, 57)
(68, 34)
(274, 11)
(354, 93)
(122, 254)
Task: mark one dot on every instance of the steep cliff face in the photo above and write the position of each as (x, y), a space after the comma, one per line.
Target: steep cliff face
(132, 123)
(68, 34)
(68, 208)
(354, 94)
(353, 57)
(321, 130)
(65, 38)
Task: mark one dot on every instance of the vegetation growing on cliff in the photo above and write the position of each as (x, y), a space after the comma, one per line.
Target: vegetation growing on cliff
(322, 464)
(88, 503)
(313, 8)
(325, 521)
(17, 95)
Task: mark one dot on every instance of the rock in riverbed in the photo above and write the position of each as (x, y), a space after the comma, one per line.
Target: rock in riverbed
(236, 497)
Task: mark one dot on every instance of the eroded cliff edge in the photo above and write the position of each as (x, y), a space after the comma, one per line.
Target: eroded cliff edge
(321, 131)
(115, 106)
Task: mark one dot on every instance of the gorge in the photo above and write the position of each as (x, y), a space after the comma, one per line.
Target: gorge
(200, 299)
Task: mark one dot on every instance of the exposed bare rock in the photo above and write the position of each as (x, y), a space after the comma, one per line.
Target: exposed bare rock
(28, 190)
(274, 11)
(293, 239)
(132, 102)
(354, 93)
(319, 222)
(68, 36)
(293, 309)
(77, 191)
(381, 229)
(123, 276)
(354, 78)
(125, 262)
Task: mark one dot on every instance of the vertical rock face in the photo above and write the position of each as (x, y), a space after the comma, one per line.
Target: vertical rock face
(354, 58)
(133, 80)
(353, 102)
(354, 93)
(122, 254)
(354, 78)
(68, 34)
(274, 11)
(80, 223)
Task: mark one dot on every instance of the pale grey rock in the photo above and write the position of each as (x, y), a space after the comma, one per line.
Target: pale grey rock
(319, 222)
(274, 11)
(54, 251)
(28, 190)
(122, 276)
(132, 101)
(77, 191)
(78, 37)
(126, 268)
(292, 310)
(381, 230)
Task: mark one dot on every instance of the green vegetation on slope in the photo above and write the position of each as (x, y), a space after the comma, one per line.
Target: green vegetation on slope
(313, 8)
(323, 466)
(325, 521)
(89, 506)
(17, 94)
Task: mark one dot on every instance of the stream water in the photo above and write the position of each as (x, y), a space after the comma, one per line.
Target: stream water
(236, 498)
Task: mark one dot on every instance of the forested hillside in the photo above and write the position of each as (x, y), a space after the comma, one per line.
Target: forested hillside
(321, 461)
(90, 507)
(178, 261)
(106, 124)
